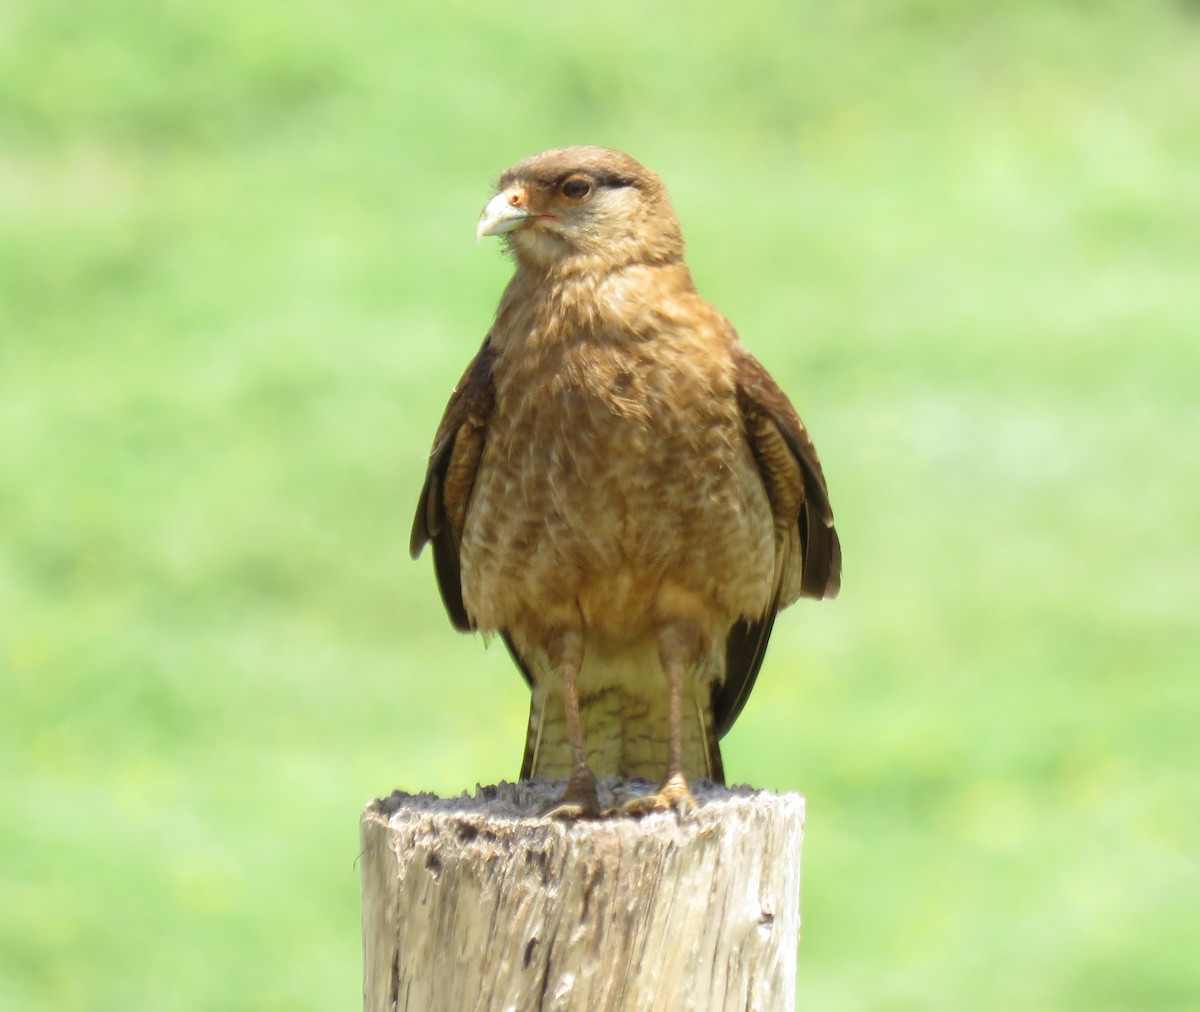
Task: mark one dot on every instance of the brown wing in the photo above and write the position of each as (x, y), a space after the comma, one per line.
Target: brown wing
(442, 507)
(809, 562)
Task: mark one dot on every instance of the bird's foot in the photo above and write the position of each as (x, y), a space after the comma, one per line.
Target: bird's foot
(579, 801)
(673, 796)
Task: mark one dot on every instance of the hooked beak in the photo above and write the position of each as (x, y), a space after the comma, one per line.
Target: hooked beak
(501, 216)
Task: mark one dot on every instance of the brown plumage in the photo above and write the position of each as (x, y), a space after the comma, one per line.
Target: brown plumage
(618, 487)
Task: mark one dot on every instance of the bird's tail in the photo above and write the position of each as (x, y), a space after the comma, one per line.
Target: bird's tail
(625, 733)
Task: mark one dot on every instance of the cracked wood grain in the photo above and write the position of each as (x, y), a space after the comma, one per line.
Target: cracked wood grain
(477, 903)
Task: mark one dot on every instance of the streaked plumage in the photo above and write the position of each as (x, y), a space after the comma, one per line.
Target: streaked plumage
(618, 487)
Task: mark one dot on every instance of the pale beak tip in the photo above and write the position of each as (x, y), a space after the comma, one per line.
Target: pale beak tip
(499, 217)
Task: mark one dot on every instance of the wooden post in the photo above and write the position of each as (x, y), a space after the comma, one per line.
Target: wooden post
(479, 904)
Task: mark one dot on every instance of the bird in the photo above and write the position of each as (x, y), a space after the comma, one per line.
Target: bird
(619, 489)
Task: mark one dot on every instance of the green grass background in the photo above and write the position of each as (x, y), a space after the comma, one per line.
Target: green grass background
(237, 282)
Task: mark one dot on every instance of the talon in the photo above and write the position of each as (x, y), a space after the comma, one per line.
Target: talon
(673, 796)
(579, 801)
(572, 811)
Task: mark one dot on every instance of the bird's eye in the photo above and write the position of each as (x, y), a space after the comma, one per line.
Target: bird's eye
(576, 187)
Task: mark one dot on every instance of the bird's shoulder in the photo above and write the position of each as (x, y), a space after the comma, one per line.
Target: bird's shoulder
(471, 402)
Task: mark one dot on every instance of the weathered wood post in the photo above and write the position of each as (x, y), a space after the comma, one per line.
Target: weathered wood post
(479, 904)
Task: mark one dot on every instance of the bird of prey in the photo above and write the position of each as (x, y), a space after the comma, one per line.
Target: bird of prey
(618, 488)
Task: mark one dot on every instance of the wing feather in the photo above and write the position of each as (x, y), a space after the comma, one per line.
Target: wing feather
(809, 556)
(450, 478)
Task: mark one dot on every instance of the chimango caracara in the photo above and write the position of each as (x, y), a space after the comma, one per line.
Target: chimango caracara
(618, 487)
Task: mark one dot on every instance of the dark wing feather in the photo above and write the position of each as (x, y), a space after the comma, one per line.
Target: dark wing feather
(450, 478)
(795, 484)
(530, 755)
(744, 652)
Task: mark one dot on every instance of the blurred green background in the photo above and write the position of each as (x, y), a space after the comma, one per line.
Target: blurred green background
(237, 282)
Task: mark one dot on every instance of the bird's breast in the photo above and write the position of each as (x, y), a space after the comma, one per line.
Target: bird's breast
(616, 482)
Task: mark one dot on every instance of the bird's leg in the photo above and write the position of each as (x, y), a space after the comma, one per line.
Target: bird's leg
(674, 793)
(674, 787)
(580, 800)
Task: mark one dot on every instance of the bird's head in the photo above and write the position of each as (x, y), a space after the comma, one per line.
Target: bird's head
(583, 208)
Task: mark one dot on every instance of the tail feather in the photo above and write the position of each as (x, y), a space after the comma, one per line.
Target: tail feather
(625, 734)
